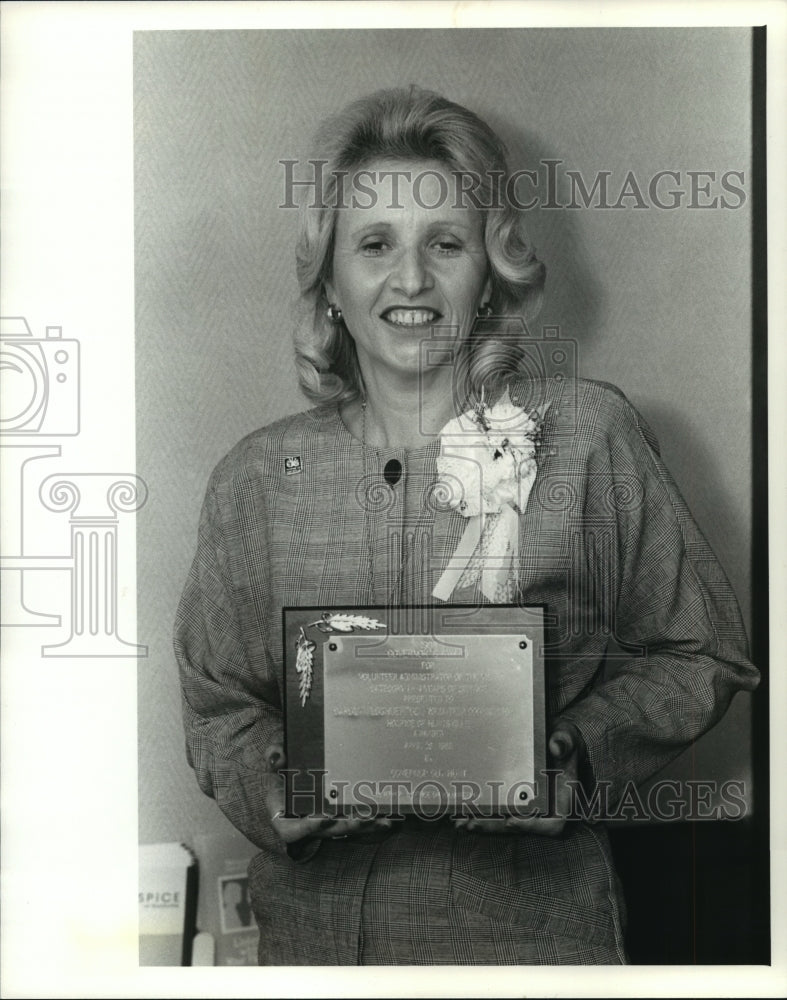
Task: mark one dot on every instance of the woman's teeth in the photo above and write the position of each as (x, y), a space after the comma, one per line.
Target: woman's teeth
(411, 317)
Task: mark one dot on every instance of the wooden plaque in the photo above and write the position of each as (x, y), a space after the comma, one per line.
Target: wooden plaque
(427, 710)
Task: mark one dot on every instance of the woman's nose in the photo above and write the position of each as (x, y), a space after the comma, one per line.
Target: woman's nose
(411, 273)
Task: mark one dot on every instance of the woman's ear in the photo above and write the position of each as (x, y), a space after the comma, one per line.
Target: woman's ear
(330, 294)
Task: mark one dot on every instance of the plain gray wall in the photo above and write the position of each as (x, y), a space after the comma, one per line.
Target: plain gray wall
(658, 301)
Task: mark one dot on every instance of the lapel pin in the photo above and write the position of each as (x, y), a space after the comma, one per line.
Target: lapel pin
(292, 465)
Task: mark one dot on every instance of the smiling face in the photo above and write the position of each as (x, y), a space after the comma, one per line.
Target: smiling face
(400, 271)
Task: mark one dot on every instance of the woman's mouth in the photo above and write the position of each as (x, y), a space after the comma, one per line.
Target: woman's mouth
(411, 317)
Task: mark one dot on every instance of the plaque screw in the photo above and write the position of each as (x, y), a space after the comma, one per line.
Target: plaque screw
(334, 793)
(523, 795)
(332, 646)
(523, 644)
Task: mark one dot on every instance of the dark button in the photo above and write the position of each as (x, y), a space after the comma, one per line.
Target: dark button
(393, 471)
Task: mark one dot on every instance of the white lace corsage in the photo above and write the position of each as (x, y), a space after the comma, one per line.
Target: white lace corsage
(487, 467)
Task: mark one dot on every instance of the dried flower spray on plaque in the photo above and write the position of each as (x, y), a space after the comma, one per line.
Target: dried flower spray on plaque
(326, 623)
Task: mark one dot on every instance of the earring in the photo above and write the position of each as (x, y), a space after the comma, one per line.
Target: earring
(334, 314)
(485, 310)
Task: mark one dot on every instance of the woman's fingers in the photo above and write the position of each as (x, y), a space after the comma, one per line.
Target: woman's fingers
(274, 757)
(541, 826)
(562, 745)
(289, 828)
(338, 829)
(292, 828)
(475, 824)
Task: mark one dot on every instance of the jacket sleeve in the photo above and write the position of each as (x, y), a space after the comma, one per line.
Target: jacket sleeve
(670, 604)
(230, 696)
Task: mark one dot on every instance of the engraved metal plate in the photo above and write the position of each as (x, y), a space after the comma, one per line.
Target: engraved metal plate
(427, 723)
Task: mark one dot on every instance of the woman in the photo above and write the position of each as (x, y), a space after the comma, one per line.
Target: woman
(412, 239)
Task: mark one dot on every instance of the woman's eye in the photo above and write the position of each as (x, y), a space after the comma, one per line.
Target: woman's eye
(448, 246)
(373, 248)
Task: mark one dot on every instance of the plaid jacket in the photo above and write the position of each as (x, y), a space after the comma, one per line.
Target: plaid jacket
(646, 650)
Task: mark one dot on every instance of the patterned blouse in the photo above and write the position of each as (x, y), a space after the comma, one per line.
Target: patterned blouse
(646, 650)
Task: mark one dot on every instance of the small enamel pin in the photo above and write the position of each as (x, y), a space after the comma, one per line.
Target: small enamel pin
(292, 465)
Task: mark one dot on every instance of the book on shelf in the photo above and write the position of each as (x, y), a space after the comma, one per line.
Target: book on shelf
(167, 904)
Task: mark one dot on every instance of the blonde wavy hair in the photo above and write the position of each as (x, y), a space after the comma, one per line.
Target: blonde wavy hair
(403, 124)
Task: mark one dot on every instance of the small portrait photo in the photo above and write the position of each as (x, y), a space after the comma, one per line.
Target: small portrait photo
(234, 903)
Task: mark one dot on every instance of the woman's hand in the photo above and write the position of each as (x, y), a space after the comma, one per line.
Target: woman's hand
(295, 828)
(564, 744)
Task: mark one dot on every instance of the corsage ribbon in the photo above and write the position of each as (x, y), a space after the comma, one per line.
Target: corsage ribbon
(489, 550)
